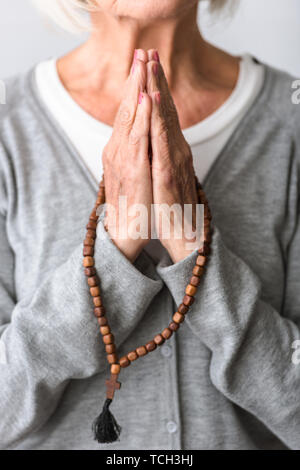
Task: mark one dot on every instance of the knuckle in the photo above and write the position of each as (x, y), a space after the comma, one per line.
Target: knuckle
(126, 118)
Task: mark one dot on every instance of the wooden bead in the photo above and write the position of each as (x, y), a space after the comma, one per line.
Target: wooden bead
(115, 368)
(95, 291)
(110, 348)
(97, 301)
(201, 261)
(108, 339)
(124, 361)
(167, 333)
(90, 272)
(99, 311)
(102, 321)
(105, 330)
(183, 309)
(88, 262)
(188, 300)
(93, 281)
(92, 225)
(100, 201)
(91, 234)
(88, 251)
(205, 250)
(151, 346)
(94, 216)
(195, 281)
(174, 326)
(178, 317)
(112, 358)
(132, 356)
(198, 271)
(190, 290)
(89, 241)
(159, 339)
(141, 351)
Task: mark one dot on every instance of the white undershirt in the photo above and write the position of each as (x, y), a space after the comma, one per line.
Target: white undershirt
(206, 138)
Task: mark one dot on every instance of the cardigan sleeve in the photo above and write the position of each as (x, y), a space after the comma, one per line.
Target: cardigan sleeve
(51, 338)
(251, 343)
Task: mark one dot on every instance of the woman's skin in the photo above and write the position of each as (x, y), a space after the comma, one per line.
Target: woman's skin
(150, 102)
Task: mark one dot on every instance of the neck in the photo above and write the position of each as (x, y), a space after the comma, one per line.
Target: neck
(108, 52)
(196, 71)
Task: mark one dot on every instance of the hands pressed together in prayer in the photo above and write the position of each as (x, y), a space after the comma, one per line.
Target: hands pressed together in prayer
(147, 159)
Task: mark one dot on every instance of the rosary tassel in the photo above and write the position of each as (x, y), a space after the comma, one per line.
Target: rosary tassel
(105, 427)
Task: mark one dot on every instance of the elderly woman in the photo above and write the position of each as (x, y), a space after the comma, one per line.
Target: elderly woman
(227, 379)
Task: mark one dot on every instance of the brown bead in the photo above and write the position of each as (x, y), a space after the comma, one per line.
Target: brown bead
(112, 358)
(151, 346)
(93, 281)
(141, 351)
(167, 333)
(88, 251)
(97, 301)
(115, 368)
(90, 272)
(183, 309)
(205, 250)
(174, 326)
(190, 290)
(198, 271)
(124, 361)
(99, 311)
(105, 330)
(94, 216)
(110, 348)
(178, 317)
(132, 356)
(88, 262)
(201, 261)
(95, 291)
(108, 339)
(195, 281)
(188, 300)
(102, 321)
(89, 241)
(159, 339)
(91, 234)
(92, 225)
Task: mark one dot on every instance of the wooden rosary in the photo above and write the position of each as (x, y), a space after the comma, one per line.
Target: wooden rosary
(105, 427)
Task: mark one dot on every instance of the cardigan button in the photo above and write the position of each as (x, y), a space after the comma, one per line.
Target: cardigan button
(166, 351)
(171, 427)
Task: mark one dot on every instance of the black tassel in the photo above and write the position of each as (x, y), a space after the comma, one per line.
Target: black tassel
(105, 427)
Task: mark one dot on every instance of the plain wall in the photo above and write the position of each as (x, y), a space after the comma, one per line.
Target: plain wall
(269, 29)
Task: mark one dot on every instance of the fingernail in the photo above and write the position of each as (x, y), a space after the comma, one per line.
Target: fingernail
(141, 96)
(158, 97)
(156, 56)
(155, 69)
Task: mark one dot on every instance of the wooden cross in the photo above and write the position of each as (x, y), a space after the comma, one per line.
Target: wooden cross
(111, 385)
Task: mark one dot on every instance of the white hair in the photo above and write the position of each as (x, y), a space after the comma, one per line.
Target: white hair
(72, 15)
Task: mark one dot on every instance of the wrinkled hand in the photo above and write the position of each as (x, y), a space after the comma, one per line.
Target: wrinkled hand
(173, 177)
(126, 163)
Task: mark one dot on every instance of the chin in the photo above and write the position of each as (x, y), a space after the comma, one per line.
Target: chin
(147, 9)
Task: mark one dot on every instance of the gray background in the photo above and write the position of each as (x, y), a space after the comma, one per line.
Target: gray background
(270, 29)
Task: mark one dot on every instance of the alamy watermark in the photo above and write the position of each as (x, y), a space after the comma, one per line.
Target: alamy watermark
(2, 92)
(296, 94)
(163, 221)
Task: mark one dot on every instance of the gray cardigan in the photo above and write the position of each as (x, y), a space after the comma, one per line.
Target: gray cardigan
(226, 380)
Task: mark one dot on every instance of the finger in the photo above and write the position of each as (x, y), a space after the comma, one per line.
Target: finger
(153, 55)
(159, 134)
(136, 83)
(156, 81)
(139, 135)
